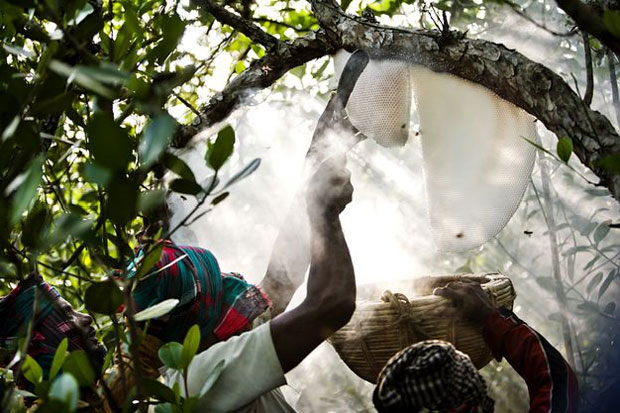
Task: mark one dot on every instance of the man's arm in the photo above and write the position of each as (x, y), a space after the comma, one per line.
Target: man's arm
(290, 256)
(551, 383)
(330, 299)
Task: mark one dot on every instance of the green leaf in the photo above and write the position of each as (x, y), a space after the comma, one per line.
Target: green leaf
(17, 50)
(149, 261)
(158, 390)
(149, 200)
(103, 297)
(183, 186)
(597, 191)
(122, 199)
(546, 283)
(611, 20)
(171, 355)
(220, 151)
(78, 365)
(591, 262)
(178, 166)
(244, 173)
(588, 307)
(610, 162)
(156, 138)
(31, 370)
(158, 310)
(75, 74)
(594, 281)
(108, 143)
(173, 27)
(81, 15)
(574, 250)
(220, 198)
(27, 188)
(35, 226)
(190, 345)
(565, 149)
(65, 389)
(122, 41)
(164, 408)
(610, 308)
(59, 358)
(601, 232)
(107, 73)
(97, 174)
(70, 225)
(610, 277)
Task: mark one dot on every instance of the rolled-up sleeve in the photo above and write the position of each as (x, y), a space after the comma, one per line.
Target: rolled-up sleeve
(231, 374)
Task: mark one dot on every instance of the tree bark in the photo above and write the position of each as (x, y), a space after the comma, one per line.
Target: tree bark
(509, 74)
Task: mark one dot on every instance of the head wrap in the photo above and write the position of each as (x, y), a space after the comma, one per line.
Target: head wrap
(221, 304)
(34, 299)
(431, 375)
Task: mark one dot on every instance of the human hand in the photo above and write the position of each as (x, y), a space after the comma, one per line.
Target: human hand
(329, 189)
(469, 299)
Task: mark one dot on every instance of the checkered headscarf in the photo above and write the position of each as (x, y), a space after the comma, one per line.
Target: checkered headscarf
(222, 304)
(431, 375)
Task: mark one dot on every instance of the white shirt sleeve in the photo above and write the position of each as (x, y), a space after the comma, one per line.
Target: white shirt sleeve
(249, 368)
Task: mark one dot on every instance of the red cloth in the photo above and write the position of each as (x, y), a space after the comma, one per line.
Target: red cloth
(551, 382)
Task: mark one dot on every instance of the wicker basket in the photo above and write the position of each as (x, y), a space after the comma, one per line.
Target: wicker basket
(382, 327)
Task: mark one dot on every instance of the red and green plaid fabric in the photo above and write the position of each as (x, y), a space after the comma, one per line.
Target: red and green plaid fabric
(222, 304)
(51, 322)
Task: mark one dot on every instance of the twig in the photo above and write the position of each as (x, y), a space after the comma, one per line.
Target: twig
(587, 96)
(524, 15)
(187, 104)
(283, 24)
(237, 22)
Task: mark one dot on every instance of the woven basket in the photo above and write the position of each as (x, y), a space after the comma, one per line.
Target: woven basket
(384, 324)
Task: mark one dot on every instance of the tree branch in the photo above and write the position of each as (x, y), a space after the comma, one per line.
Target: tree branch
(262, 73)
(239, 23)
(509, 74)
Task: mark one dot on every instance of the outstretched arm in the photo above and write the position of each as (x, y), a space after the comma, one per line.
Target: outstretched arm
(290, 256)
(330, 299)
(551, 383)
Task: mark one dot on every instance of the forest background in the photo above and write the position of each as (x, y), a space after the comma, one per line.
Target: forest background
(101, 100)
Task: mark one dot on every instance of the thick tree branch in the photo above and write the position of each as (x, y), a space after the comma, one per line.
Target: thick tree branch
(590, 21)
(506, 72)
(239, 23)
(262, 73)
(510, 75)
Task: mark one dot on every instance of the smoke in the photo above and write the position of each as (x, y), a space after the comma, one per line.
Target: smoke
(389, 236)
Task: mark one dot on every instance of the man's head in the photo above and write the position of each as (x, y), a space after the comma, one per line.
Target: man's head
(53, 319)
(221, 304)
(431, 375)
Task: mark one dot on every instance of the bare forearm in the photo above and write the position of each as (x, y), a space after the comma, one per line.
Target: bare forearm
(331, 272)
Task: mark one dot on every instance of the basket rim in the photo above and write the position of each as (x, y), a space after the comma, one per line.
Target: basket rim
(493, 281)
